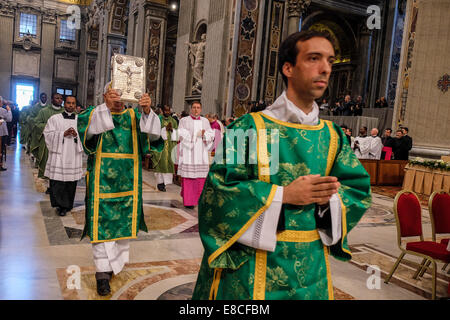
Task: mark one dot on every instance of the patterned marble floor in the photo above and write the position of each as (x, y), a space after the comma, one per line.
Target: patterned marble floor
(39, 251)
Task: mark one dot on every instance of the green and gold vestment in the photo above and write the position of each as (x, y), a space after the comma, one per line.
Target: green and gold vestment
(162, 161)
(114, 209)
(235, 195)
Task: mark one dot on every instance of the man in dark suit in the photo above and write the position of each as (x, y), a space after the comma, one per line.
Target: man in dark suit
(407, 138)
(347, 106)
(401, 151)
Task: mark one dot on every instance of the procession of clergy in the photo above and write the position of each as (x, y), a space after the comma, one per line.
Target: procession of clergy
(261, 209)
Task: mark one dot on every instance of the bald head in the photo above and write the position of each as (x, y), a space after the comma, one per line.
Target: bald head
(374, 132)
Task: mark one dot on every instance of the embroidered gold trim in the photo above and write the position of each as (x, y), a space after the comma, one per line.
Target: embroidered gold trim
(344, 225)
(333, 147)
(116, 195)
(259, 286)
(298, 236)
(263, 157)
(215, 284)
(294, 125)
(326, 252)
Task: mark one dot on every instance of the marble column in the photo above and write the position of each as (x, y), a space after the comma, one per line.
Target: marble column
(295, 10)
(6, 40)
(47, 52)
(361, 72)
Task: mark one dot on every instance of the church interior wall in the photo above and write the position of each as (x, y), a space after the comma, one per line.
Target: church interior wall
(427, 110)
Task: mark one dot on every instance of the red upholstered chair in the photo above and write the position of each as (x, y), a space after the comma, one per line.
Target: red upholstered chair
(439, 208)
(387, 153)
(408, 216)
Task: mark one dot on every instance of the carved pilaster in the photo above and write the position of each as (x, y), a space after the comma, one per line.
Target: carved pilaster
(7, 8)
(49, 16)
(296, 8)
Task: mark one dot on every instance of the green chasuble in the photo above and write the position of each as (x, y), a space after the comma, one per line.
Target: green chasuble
(22, 124)
(237, 191)
(29, 122)
(113, 200)
(38, 146)
(162, 161)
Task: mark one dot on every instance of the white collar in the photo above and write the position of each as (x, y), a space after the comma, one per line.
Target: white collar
(42, 104)
(285, 110)
(55, 107)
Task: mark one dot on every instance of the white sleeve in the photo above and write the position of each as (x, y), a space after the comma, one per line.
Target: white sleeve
(53, 138)
(262, 234)
(332, 236)
(151, 124)
(101, 121)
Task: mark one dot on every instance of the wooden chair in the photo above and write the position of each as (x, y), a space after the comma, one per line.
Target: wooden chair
(408, 216)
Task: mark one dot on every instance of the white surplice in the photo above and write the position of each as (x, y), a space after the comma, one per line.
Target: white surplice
(376, 145)
(112, 255)
(262, 234)
(193, 161)
(364, 147)
(65, 154)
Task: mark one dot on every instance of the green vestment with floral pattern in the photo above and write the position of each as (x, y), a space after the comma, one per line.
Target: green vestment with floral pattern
(162, 161)
(114, 209)
(236, 194)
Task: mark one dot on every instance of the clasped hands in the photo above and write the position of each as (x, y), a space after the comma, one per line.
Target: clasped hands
(70, 132)
(310, 189)
(114, 104)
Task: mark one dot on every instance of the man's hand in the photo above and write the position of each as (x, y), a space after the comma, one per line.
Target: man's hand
(8, 108)
(74, 132)
(68, 132)
(310, 189)
(203, 133)
(145, 103)
(110, 97)
(169, 127)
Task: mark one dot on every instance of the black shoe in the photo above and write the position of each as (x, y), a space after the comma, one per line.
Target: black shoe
(3, 169)
(161, 187)
(189, 207)
(103, 288)
(47, 191)
(62, 212)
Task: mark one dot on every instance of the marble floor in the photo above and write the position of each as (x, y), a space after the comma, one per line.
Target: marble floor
(40, 251)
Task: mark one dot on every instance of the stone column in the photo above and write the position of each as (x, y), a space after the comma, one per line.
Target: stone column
(295, 9)
(186, 17)
(47, 52)
(6, 40)
(361, 72)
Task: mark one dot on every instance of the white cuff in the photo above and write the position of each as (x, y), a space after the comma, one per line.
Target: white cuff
(101, 121)
(332, 236)
(151, 125)
(262, 234)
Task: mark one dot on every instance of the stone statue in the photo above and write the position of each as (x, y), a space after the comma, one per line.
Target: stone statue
(93, 15)
(197, 62)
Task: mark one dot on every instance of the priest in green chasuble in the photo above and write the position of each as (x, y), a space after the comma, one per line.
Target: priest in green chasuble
(163, 164)
(115, 138)
(284, 191)
(38, 146)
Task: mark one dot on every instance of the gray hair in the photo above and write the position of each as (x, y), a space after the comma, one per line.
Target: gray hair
(107, 87)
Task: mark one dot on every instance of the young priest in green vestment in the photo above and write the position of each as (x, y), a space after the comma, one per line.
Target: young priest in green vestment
(284, 195)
